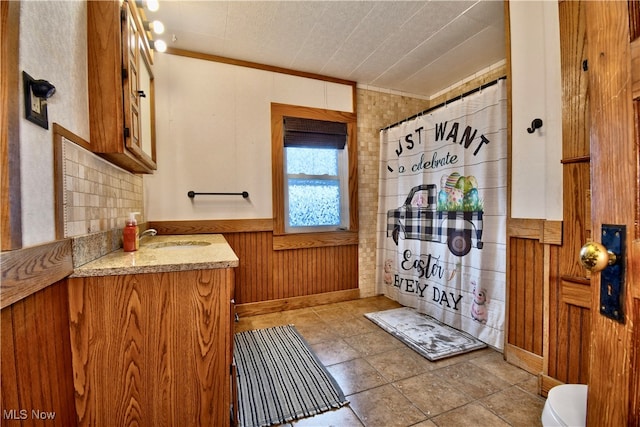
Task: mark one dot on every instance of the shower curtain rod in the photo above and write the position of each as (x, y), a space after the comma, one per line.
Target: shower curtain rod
(428, 110)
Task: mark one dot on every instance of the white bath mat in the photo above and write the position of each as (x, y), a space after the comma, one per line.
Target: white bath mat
(424, 334)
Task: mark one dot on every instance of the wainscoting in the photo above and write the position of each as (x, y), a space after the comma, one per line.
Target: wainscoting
(271, 278)
(531, 256)
(37, 379)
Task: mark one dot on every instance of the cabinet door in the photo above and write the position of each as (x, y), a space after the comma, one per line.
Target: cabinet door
(146, 103)
(115, 42)
(138, 94)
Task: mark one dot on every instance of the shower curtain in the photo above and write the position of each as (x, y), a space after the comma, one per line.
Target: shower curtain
(442, 211)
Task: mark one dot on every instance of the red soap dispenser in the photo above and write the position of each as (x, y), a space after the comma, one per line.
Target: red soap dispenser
(130, 234)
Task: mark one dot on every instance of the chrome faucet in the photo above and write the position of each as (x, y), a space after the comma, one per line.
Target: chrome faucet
(148, 232)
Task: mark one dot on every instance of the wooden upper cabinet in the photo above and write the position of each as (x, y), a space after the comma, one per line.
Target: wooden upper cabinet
(121, 96)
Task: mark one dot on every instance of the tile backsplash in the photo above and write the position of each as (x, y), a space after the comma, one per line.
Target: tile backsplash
(97, 199)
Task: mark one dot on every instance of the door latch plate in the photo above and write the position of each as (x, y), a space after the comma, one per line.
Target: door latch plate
(612, 277)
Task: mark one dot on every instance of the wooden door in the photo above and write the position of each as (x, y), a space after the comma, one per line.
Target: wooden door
(569, 286)
(614, 111)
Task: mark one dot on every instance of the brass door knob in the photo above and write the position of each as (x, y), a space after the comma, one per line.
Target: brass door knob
(595, 257)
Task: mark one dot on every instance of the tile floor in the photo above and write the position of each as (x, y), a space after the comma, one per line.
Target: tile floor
(387, 384)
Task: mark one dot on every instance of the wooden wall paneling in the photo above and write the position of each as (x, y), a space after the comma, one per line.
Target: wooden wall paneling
(575, 323)
(254, 275)
(551, 300)
(9, 395)
(287, 287)
(37, 375)
(299, 272)
(565, 366)
(526, 307)
(275, 268)
(535, 300)
(540, 304)
(313, 272)
(515, 297)
(516, 326)
(555, 338)
(571, 317)
(585, 349)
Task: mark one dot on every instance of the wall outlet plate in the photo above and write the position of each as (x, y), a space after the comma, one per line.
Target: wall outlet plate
(35, 108)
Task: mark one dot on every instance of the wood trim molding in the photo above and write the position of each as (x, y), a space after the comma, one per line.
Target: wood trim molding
(273, 306)
(315, 240)
(546, 231)
(552, 232)
(546, 383)
(576, 294)
(10, 204)
(26, 271)
(635, 68)
(257, 66)
(278, 112)
(212, 226)
(528, 361)
(58, 180)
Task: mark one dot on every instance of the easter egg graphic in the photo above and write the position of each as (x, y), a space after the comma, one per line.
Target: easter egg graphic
(443, 182)
(471, 182)
(443, 198)
(452, 180)
(455, 199)
(471, 198)
(461, 184)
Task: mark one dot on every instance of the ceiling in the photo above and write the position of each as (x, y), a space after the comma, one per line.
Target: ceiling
(417, 47)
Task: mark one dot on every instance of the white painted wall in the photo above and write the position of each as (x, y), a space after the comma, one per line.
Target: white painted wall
(536, 93)
(53, 46)
(213, 124)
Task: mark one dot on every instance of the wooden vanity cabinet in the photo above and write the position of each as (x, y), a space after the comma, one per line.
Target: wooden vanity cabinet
(121, 85)
(153, 349)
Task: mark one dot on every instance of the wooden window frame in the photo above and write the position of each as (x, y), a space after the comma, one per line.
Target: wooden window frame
(281, 239)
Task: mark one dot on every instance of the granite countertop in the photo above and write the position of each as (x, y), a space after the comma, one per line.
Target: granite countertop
(160, 254)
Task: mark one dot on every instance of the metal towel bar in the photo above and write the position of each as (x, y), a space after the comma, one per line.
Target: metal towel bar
(192, 194)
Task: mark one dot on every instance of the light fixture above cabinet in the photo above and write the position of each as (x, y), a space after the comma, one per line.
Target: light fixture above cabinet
(151, 27)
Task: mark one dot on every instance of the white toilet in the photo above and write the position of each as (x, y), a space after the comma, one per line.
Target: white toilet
(566, 406)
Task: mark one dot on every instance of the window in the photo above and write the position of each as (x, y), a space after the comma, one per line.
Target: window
(316, 175)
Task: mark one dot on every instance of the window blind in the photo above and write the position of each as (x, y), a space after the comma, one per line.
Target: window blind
(299, 132)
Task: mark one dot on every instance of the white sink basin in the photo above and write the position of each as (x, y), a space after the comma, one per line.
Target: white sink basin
(180, 244)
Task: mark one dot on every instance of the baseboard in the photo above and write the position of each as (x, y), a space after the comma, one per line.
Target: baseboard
(523, 359)
(273, 306)
(547, 383)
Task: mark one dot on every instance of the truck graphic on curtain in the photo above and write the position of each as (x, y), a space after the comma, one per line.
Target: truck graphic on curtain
(428, 215)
